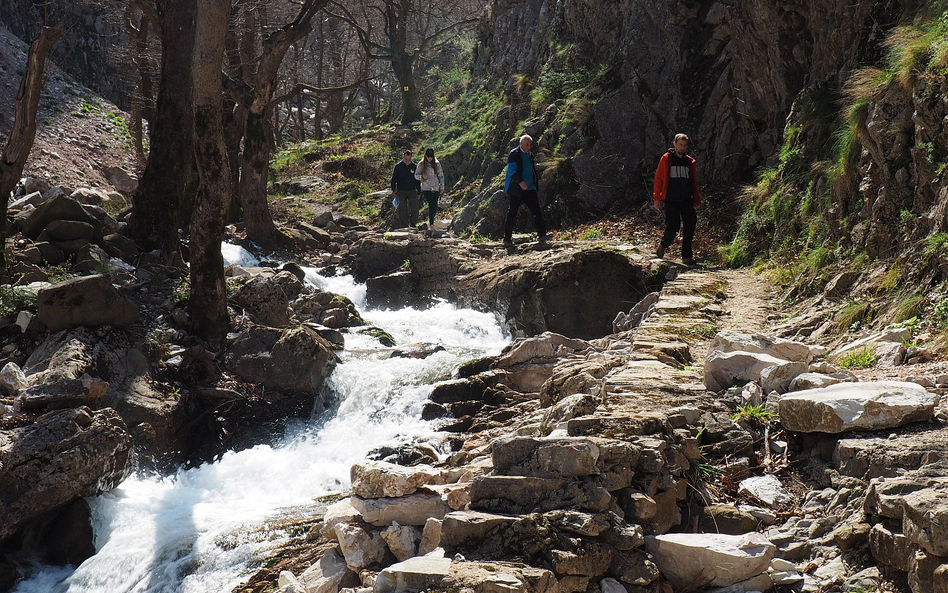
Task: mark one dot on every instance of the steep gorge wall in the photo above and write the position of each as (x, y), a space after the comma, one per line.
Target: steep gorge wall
(726, 72)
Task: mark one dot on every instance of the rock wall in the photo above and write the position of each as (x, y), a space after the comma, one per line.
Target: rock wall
(726, 73)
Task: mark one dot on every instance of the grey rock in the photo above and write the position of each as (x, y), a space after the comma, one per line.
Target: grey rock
(89, 301)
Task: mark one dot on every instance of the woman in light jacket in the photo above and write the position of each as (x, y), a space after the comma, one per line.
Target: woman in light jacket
(431, 176)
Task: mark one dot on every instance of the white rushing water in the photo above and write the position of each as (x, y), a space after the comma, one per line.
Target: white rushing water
(197, 531)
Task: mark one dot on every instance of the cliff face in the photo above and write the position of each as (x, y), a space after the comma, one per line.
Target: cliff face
(727, 73)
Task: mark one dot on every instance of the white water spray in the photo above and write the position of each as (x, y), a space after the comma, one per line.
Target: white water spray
(197, 531)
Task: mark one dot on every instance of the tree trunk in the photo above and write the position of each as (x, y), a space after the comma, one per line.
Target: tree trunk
(253, 181)
(208, 301)
(156, 205)
(21, 138)
(142, 96)
(404, 66)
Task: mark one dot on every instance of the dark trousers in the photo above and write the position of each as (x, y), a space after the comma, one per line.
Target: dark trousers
(680, 213)
(530, 198)
(432, 198)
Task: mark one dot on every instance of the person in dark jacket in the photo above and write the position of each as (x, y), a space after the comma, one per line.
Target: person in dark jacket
(521, 186)
(405, 189)
(676, 185)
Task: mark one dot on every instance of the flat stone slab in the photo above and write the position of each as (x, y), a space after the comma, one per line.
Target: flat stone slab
(377, 479)
(856, 406)
(708, 559)
(414, 509)
(415, 574)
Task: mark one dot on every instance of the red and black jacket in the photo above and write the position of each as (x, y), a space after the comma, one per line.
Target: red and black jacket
(677, 178)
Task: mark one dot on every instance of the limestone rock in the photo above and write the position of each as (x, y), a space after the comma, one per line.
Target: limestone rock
(460, 527)
(728, 519)
(634, 568)
(377, 479)
(812, 381)
(611, 585)
(485, 577)
(414, 509)
(856, 406)
(766, 489)
(547, 345)
(522, 494)
(295, 359)
(779, 377)
(12, 379)
(728, 341)
(722, 369)
(63, 456)
(88, 301)
(413, 575)
(360, 547)
(430, 537)
(340, 511)
(710, 559)
(402, 540)
(545, 457)
(879, 343)
(925, 519)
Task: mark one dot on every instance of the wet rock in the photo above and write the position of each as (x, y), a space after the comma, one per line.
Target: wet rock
(710, 559)
(89, 301)
(64, 536)
(417, 351)
(377, 479)
(856, 406)
(294, 359)
(766, 489)
(328, 309)
(415, 574)
(63, 456)
(414, 509)
(392, 291)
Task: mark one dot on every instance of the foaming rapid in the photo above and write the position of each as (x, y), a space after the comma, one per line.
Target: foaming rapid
(200, 530)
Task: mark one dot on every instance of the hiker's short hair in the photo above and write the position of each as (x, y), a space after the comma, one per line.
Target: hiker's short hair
(526, 137)
(682, 137)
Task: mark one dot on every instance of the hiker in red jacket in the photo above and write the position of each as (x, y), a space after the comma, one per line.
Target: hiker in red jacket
(676, 184)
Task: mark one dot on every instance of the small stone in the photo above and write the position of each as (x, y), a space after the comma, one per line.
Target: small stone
(766, 489)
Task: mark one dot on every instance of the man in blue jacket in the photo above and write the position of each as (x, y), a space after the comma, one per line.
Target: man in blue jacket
(521, 188)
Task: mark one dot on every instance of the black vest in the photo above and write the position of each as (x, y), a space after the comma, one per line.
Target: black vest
(680, 185)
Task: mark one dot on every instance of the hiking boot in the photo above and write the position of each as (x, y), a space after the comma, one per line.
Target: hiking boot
(508, 243)
(688, 261)
(660, 252)
(542, 239)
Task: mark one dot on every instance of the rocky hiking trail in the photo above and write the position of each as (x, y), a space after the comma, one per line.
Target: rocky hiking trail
(680, 444)
(648, 459)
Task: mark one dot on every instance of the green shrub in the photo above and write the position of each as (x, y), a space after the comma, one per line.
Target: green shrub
(858, 359)
(14, 299)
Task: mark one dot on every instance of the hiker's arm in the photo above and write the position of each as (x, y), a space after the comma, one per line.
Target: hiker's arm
(661, 181)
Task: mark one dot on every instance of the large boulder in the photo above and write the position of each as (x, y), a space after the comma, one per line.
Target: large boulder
(414, 509)
(376, 479)
(723, 369)
(59, 208)
(65, 455)
(710, 559)
(265, 298)
(326, 308)
(88, 301)
(326, 575)
(729, 341)
(545, 457)
(295, 359)
(856, 406)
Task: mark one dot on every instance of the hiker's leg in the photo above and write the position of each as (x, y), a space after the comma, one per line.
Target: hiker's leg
(432, 198)
(532, 200)
(689, 219)
(515, 201)
(672, 222)
(402, 208)
(413, 208)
